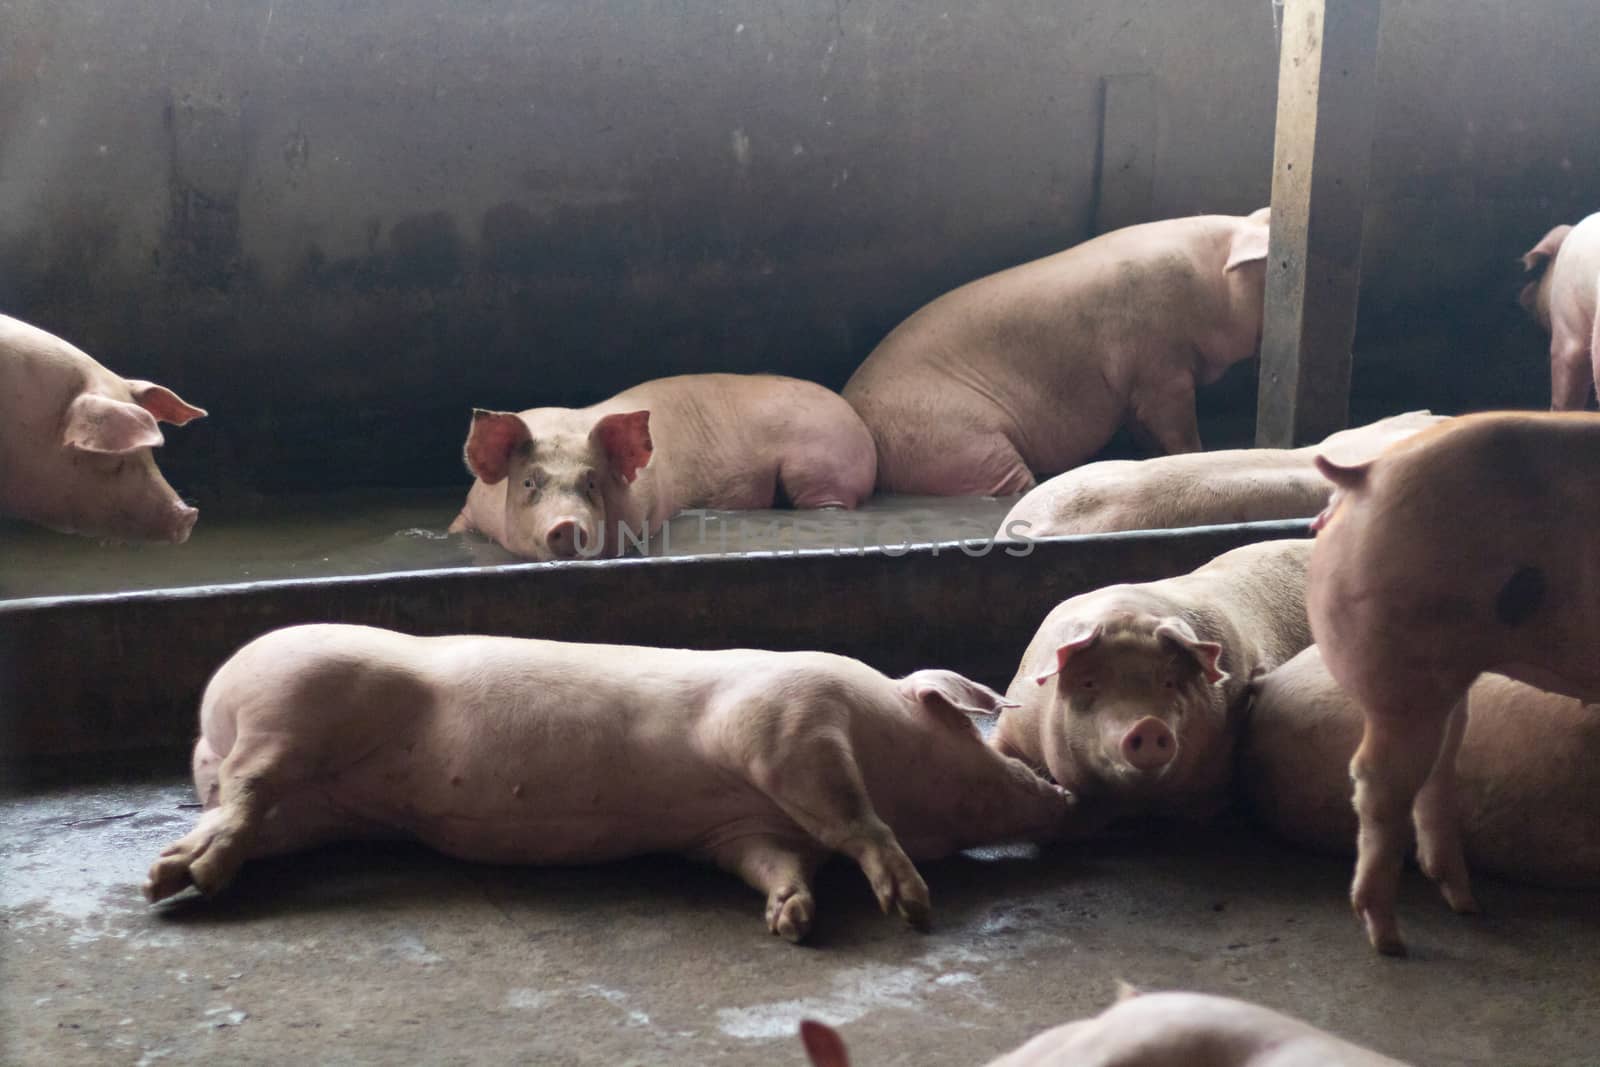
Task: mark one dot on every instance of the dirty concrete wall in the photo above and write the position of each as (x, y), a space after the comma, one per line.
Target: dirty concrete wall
(338, 224)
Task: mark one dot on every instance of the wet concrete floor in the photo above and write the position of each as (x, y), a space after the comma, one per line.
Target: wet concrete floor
(386, 532)
(387, 953)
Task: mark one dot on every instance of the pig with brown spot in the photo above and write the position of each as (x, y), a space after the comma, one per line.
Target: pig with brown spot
(1527, 774)
(1198, 488)
(1029, 372)
(563, 483)
(1159, 1030)
(1563, 296)
(522, 751)
(1473, 546)
(1129, 695)
(77, 441)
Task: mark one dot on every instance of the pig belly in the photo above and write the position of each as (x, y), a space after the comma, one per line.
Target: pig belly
(516, 819)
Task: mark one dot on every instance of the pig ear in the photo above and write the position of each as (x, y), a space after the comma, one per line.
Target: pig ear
(1077, 643)
(1536, 258)
(163, 403)
(1249, 243)
(625, 437)
(951, 698)
(1206, 653)
(494, 436)
(824, 1046)
(1343, 475)
(97, 423)
(1126, 991)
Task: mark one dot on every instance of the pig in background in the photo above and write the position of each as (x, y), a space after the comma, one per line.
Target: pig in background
(1471, 547)
(1029, 372)
(1563, 297)
(523, 751)
(1129, 695)
(1527, 774)
(1158, 1030)
(558, 483)
(1199, 488)
(76, 441)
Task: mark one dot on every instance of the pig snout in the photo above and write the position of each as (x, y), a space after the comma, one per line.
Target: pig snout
(1149, 745)
(568, 538)
(183, 523)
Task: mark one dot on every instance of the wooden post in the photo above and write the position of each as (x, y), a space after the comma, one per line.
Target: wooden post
(1127, 163)
(1326, 75)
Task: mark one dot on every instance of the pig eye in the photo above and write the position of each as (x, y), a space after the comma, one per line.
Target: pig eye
(530, 482)
(1087, 683)
(1170, 684)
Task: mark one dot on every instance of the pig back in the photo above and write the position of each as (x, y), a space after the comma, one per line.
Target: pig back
(1260, 590)
(500, 749)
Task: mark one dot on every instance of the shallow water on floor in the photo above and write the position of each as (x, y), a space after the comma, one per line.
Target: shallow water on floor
(377, 533)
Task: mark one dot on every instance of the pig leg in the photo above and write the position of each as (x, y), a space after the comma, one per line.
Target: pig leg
(780, 869)
(1572, 371)
(1398, 750)
(1166, 414)
(827, 481)
(1437, 815)
(251, 779)
(1594, 346)
(819, 786)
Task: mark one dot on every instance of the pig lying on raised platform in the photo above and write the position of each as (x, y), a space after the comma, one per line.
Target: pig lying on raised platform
(76, 440)
(1159, 1030)
(1129, 695)
(1473, 546)
(558, 483)
(1564, 298)
(1527, 774)
(1199, 488)
(1030, 371)
(521, 751)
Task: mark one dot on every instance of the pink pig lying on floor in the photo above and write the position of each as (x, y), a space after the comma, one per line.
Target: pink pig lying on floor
(523, 751)
(76, 441)
(1159, 1030)
(1198, 488)
(558, 483)
(1527, 775)
(1130, 695)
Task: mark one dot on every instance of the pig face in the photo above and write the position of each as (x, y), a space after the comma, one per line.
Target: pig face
(565, 490)
(1534, 298)
(1137, 717)
(113, 488)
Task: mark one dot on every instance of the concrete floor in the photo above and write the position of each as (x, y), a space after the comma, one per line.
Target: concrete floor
(387, 953)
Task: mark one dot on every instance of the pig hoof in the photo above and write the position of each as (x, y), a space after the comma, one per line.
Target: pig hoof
(902, 889)
(789, 915)
(1384, 935)
(919, 913)
(168, 877)
(1460, 899)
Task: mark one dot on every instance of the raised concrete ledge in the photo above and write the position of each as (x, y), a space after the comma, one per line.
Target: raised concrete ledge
(123, 672)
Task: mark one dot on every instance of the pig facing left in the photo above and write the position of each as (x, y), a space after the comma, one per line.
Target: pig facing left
(525, 751)
(1129, 695)
(76, 441)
